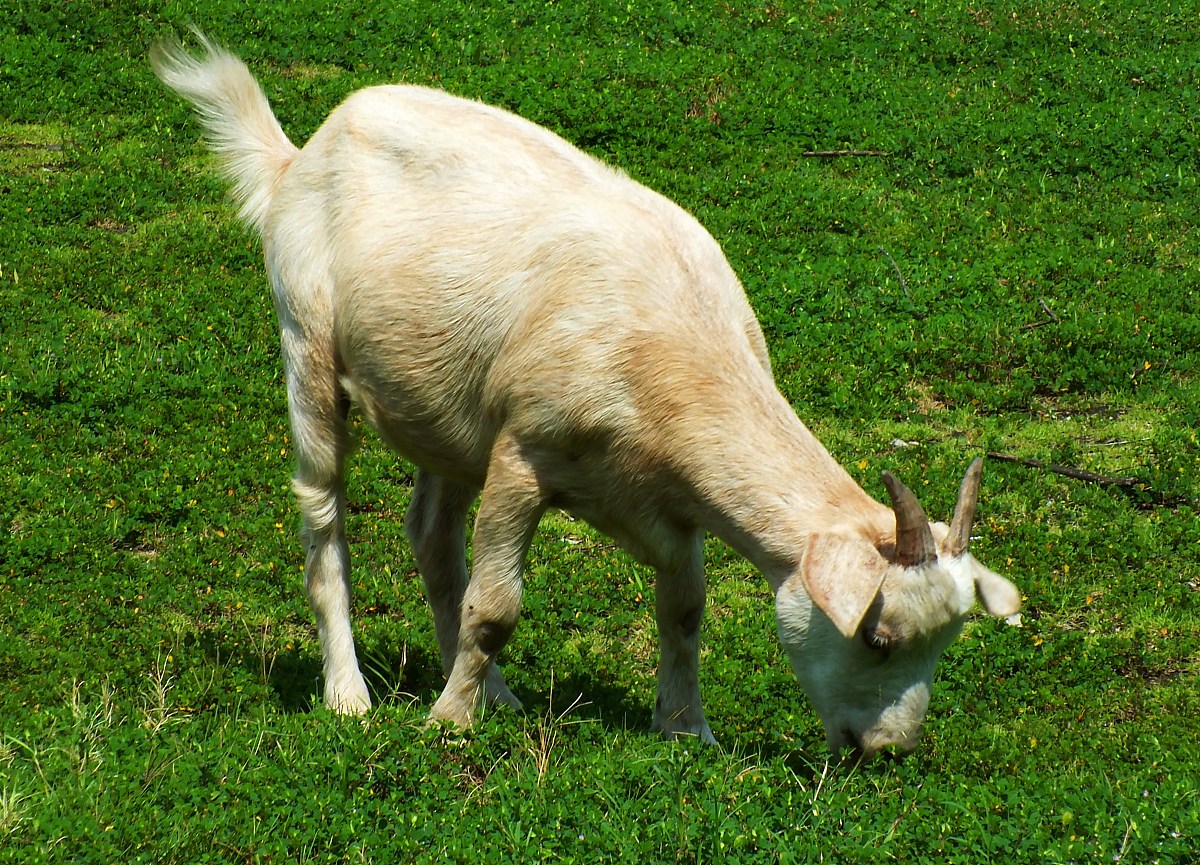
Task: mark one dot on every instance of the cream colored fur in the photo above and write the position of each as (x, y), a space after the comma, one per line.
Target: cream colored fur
(525, 323)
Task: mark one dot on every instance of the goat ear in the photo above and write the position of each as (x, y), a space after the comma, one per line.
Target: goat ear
(842, 574)
(998, 596)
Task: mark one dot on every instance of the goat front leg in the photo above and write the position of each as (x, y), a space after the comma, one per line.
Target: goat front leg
(679, 607)
(509, 510)
(436, 524)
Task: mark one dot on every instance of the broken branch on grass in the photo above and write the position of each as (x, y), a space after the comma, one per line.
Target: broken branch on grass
(832, 154)
(1068, 471)
(1050, 319)
(1132, 486)
(899, 275)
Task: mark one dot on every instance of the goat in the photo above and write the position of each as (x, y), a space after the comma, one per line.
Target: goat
(532, 327)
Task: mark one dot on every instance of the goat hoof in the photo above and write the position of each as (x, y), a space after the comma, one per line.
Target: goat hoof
(349, 698)
(496, 692)
(673, 730)
(453, 713)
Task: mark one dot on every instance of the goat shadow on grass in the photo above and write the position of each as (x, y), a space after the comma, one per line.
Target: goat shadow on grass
(591, 698)
(615, 708)
(298, 682)
(230, 661)
(413, 671)
(595, 699)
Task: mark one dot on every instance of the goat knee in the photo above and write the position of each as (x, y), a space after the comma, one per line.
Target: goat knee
(489, 627)
(689, 621)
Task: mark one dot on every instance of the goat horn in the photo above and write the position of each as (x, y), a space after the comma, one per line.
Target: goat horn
(914, 540)
(959, 537)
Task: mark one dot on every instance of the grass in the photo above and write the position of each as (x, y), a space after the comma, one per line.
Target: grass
(1018, 273)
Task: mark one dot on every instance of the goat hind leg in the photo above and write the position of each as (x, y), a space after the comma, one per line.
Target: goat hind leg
(436, 524)
(318, 407)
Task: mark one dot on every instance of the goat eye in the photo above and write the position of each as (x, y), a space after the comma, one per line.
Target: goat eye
(878, 641)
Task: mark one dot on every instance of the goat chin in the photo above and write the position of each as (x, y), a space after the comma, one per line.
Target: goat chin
(533, 329)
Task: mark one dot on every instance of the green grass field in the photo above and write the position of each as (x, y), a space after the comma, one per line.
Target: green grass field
(1014, 270)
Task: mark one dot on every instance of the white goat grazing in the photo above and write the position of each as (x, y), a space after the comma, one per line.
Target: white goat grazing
(520, 320)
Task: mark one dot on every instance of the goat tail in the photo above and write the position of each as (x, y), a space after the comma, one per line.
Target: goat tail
(237, 119)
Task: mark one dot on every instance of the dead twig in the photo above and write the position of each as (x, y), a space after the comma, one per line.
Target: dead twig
(1133, 487)
(833, 154)
(899, 275)
(1050, 319)
(1067, 471)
